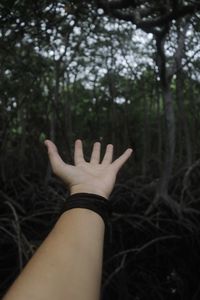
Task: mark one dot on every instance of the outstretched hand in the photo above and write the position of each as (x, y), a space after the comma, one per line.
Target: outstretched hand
(88, 177)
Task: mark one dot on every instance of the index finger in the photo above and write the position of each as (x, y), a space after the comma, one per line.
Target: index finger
(78, 152)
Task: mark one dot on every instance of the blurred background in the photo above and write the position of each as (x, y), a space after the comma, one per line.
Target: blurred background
(122, 72)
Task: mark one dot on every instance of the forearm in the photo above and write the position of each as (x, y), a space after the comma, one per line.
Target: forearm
(68, 265)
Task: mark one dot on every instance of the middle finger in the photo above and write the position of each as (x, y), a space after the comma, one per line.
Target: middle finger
(95, 157)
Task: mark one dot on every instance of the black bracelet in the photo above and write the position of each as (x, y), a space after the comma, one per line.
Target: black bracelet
(93, 202)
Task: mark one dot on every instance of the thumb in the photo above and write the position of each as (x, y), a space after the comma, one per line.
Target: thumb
(56, 161)
(118, 163)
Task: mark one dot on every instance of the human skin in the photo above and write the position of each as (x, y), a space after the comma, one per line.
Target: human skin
(68, 264)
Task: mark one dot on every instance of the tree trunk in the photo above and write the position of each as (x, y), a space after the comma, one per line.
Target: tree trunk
(68, 127)
(184, 141)
(145, 131)
(159, 125)
(183, 123)
(53, 114)
(112, 111)
(169, 136)
(169, 141)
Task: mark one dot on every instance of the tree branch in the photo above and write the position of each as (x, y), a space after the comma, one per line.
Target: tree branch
(147, 15)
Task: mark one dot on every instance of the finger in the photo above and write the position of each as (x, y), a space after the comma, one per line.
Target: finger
(96, 152)
(78, 152)
(108, 155)
(56, 161)
(118, 163)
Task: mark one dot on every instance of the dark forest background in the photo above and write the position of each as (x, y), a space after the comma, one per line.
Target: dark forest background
(122, 72)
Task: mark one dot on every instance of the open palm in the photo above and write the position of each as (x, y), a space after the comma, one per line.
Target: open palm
(89, 177)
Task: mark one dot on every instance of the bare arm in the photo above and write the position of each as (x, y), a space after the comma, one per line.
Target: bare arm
(68, 264)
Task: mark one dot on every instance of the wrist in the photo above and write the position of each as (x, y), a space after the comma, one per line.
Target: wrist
(91, 201)
(89, 190)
